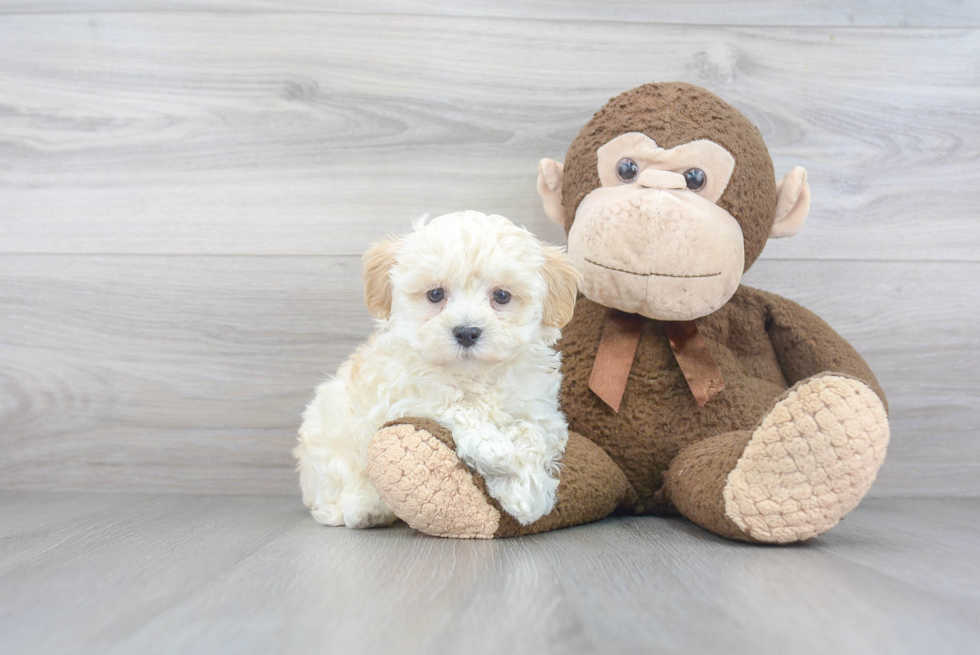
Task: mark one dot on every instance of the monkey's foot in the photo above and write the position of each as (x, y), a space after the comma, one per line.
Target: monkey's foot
(809, 462)
(413, 466)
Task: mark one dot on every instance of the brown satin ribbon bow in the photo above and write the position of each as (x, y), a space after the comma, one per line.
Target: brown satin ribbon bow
(617, 347)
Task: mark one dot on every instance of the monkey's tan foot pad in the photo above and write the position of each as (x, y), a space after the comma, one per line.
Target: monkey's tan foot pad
(425, 484)
(809, 462)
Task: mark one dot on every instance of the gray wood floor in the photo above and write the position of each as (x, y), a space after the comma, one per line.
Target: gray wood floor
(113, 573)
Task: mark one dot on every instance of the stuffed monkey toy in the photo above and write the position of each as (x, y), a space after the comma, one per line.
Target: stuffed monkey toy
(685, 392)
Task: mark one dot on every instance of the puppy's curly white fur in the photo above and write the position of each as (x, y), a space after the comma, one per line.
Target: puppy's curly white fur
(469, 308)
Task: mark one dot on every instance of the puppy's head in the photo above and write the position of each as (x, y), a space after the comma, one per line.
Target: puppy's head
(469, 289)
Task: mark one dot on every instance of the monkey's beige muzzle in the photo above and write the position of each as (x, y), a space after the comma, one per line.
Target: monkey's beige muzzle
(680, 257)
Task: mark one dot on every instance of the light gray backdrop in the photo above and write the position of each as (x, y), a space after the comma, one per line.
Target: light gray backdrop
(186, 188)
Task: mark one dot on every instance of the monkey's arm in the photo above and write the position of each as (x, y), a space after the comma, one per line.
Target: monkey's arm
(806, 346)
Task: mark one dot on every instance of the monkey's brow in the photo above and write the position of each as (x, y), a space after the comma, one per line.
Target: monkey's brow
(622, 270)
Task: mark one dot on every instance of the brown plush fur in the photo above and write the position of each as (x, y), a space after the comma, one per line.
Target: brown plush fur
(699, 496)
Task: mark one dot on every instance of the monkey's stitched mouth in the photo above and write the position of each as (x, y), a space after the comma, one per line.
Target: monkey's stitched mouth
(621, 270)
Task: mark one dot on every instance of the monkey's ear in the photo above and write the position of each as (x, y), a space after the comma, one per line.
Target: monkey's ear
(562, 279)
(549, 188)
(378, 261)
(792, 204)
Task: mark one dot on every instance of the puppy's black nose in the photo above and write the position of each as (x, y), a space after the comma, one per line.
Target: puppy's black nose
(466, 336)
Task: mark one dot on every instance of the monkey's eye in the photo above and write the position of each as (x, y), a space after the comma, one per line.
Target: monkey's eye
(695, 178)
(501, 297)
(627, 169)
(436, 295)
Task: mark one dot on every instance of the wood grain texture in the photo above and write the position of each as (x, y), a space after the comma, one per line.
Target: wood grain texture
(186, 188)
(106, 573)
(876, 13)
(313, 133)
(152, 373)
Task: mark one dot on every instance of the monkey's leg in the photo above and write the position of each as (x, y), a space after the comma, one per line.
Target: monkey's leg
(413, 465)
(808, 463)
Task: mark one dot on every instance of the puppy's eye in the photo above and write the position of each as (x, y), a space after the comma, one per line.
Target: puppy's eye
(695, 178)
(501, 297)
(436, 295)
(627, 169)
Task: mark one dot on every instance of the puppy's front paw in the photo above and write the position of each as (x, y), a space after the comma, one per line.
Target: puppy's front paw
(369, 517)
(356, 510)
(527, 496)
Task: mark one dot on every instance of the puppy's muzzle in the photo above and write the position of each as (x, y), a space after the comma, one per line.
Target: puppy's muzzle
(466, 336)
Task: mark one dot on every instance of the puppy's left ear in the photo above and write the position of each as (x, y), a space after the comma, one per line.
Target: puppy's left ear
(562, 280)
(378, 261)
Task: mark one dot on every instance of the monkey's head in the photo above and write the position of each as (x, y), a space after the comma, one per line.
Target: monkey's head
(667, 196)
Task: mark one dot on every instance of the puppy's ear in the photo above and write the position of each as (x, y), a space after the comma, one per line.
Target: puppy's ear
(562, 280)
(378, 261)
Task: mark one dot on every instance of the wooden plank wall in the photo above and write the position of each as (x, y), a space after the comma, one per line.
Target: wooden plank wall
(186, 188)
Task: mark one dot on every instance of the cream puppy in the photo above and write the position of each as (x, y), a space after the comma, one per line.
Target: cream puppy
(469, 308)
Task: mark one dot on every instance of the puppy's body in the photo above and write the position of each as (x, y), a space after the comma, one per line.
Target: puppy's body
(497, 392)
(495, 426)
